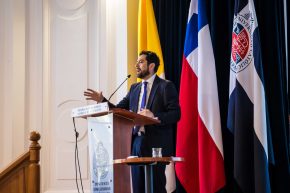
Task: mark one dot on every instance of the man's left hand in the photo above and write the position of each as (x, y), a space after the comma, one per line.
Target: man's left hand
(146, 112)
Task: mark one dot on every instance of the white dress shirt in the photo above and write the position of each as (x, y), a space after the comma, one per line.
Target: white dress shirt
(149, 86)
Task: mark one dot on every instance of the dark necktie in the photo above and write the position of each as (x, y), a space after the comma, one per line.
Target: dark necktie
(144, 96)
(143, 104)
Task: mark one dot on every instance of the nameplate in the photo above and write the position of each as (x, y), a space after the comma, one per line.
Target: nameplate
(90, 110)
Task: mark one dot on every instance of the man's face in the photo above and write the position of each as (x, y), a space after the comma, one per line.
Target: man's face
(142, 67)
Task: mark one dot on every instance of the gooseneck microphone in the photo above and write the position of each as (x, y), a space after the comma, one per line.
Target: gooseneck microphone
(129, 75)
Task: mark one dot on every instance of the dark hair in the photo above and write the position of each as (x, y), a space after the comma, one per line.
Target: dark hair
(151, 57)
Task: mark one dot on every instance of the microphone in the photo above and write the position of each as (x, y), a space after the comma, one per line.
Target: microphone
(129, 75)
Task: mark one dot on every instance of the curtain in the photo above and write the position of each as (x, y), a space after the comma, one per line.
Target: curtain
(171, 18)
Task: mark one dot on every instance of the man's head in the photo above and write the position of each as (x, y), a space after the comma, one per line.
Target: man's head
(147, 64)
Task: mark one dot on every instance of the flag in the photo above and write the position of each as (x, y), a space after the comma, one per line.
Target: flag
(247, 116)
(199, 138)
(148, 37)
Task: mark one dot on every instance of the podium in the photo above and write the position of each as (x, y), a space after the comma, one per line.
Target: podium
(110, 133)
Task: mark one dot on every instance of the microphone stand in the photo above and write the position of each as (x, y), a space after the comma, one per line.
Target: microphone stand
(119, 86)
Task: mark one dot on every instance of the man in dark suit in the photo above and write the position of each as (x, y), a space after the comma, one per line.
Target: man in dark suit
(155, 98)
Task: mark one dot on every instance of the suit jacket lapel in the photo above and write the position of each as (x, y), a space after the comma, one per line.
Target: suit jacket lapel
(135, 97)
(153, 92)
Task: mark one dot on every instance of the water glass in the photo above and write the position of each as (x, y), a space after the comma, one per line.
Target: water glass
(156, 152)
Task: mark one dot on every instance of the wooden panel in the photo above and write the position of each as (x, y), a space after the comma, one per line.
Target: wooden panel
(23, 175)
(14, 181)
(122, 147)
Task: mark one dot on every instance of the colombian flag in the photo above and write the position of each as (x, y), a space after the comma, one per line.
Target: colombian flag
(148, 37)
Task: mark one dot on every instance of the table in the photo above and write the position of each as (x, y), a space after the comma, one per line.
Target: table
(148, 163)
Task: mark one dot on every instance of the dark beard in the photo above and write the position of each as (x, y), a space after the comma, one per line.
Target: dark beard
(143, 74)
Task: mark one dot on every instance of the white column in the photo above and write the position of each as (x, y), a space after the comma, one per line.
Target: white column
(13, 63)
(114, 69)
(34, 69)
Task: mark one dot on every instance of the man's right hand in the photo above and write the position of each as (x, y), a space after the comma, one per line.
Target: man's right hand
(94, 95)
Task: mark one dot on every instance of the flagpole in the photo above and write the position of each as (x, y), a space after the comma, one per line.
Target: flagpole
(286, 41)
(287, 61)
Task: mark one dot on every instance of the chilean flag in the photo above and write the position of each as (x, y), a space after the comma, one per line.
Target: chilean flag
(199, 138)
(247, 113)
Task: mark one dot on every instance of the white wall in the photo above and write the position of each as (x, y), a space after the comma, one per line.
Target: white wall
(50, 52)
(12, 65)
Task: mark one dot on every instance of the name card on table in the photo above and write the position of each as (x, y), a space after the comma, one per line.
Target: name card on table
(90, 110)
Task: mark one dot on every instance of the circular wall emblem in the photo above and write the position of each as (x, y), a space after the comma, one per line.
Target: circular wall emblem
(101, 161)
(242, 47)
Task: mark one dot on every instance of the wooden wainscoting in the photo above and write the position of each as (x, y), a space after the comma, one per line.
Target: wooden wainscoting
(23, 175)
